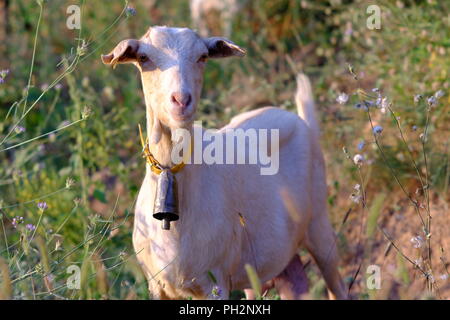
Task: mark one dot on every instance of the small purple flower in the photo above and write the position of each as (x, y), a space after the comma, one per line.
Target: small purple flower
(3, 75)
(379, 101)
(377, 130)
(42, 205)
(432, 101)
(358, 159)
(342, 98)
(16, 221)
(130, 11)
(361, 145)
(58, 86)
(30, 227)
(19, 129)
(439, 94)
(216, 292)
(417, 241)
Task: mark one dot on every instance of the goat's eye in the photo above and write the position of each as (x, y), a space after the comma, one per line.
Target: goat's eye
(142, 58)
(203, 58)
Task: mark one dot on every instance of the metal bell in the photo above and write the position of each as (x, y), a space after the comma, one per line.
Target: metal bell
(166, 200)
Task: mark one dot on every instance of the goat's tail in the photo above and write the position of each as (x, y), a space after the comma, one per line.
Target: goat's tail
(305, 103)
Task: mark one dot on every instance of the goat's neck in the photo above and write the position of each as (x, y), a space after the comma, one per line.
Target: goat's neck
(163, 149)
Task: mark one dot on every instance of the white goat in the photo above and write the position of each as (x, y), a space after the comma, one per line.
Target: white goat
(209, 238)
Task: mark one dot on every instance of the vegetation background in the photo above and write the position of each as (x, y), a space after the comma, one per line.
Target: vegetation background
(69, 147)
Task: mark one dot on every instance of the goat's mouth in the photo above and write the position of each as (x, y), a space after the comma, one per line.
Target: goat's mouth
(181, 118)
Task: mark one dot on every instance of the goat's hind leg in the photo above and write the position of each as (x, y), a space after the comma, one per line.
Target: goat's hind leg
(292, 283)
(321, 243)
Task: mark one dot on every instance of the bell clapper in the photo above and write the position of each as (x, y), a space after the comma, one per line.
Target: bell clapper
(165, 224)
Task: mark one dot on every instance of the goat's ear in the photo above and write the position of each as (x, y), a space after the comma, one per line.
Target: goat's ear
(222, 48)
(124, 52)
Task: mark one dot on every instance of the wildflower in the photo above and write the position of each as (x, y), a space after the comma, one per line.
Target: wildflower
(342, 98)
(432, 101)
(58, 86)
(356, 195)
(69, 183)
(423, 137)
(356, 198)
(82, 49)
(364, 105)
(216, 292)
(384, 104)
(430, 276)
(122, 255)
(361, 145)
(378, 101)
(369, 103)
(443, 276)
(358, 159)
(418, 262)
(376, 90)
(130, 11)
(414, 128)
(16, 221)
(439, 94)
(377, 129)
(417, 98)
(77, 201)
(42, 205)
(19, 129)
(417, 241)
(86, 112)
(44, 86)
(30, 227)
(3, 75)
(65, 123)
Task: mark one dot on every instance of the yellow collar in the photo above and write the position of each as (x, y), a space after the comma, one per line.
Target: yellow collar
(155, 166)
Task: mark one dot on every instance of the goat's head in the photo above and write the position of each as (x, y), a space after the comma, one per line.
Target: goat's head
(171, 62)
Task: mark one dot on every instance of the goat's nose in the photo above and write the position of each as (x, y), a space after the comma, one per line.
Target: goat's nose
(181, 99)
